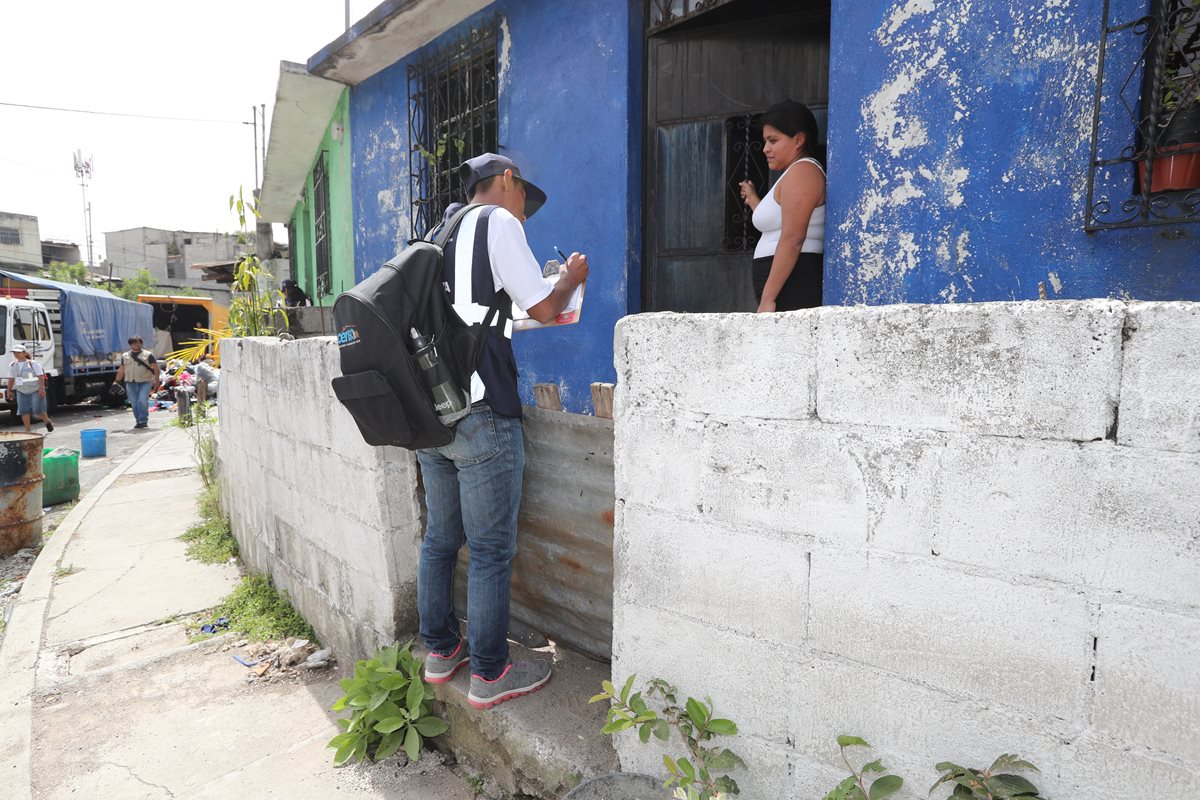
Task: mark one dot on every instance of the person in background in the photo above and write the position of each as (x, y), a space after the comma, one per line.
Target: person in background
(28, 378)
(789, 257)
(293, 295)
(139, 371)
(207, 378)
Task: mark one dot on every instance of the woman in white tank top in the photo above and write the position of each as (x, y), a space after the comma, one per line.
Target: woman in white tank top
(789, 260)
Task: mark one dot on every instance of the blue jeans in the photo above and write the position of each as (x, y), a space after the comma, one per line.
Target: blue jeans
(472, 494)
(139, 398)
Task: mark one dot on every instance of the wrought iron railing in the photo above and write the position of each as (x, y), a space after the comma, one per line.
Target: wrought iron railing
(453, 96)
(744, 161)
(1146, 122)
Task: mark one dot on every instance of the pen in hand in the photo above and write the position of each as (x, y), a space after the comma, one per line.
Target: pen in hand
(561, 255)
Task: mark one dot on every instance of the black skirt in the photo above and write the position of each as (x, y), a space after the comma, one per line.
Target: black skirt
(802, 288)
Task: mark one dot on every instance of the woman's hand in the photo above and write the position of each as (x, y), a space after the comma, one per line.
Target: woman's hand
(749, 195)
(766, 307)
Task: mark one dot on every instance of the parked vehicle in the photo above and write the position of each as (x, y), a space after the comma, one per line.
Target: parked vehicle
(177, 320)
(77, 333)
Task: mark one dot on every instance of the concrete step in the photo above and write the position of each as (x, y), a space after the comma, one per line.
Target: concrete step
(541, 745)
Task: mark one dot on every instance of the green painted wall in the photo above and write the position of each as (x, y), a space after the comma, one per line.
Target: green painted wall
(341, 216)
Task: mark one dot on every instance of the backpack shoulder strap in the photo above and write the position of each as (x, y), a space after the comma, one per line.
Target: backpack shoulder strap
(441, 234)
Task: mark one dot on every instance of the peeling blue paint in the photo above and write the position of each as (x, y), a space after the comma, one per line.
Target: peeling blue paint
(958, 158)
(570, 111)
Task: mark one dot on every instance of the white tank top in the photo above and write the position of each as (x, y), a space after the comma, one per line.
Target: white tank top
(768, 218)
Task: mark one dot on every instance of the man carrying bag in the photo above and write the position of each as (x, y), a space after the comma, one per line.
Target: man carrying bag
(139, 371)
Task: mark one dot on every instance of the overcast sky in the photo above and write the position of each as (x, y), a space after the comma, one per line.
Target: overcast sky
(211, 60)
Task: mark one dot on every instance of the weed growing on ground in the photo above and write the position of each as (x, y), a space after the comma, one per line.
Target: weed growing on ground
(693, 778)
(475, 781)
(390, 707)
(210, 541)
(259, 612)
(63, 572)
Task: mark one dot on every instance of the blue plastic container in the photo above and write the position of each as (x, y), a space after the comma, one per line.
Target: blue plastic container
(94, 442)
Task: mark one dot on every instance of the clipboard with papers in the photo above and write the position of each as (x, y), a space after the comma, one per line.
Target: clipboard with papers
(571, 313)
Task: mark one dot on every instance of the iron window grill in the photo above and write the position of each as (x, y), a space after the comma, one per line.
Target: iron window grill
(321, 225)
(665, 13)
(1146, 122)
(453, 99)
(291, 237)
(10, 235)
(744, 161)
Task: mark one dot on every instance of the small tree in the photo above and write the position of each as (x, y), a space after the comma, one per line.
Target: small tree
(141, 283)
(64, 272)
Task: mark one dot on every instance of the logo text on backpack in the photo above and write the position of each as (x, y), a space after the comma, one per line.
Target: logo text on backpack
(348, 335)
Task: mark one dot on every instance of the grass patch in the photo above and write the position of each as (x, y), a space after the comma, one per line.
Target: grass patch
(257, 611)
(63, 572)
(210, 541)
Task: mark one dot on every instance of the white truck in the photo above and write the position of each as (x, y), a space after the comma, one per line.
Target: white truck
(76, 333)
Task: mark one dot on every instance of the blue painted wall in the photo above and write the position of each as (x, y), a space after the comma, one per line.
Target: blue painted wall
(571, 98)
(960, 137)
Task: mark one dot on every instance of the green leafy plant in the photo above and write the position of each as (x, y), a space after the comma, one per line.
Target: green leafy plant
(695, 775)
(443, 145)
(859, 785)
(389, 705)
(993, 783)
(255, 310)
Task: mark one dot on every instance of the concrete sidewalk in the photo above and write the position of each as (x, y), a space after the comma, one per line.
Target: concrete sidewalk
(103, 697)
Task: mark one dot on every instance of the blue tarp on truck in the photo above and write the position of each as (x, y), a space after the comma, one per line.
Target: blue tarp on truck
(95, 323)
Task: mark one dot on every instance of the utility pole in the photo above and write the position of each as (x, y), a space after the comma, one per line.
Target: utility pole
(347, 14)
(83, 171)
(254, 114)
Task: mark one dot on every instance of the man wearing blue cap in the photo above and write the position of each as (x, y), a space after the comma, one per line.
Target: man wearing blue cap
(473, 484)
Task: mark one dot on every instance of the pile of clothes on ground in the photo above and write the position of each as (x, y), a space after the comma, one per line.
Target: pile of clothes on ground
(201, 381)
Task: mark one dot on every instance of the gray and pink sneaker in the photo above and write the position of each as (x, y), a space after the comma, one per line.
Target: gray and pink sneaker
(519, 678)
(441, 669)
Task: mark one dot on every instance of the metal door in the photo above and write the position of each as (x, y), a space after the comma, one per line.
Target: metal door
(711, 70)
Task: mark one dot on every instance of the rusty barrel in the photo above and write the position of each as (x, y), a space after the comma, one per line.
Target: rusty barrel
(20, 490)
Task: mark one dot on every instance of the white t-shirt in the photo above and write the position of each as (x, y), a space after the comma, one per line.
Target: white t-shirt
(15, 369)
(514, 267)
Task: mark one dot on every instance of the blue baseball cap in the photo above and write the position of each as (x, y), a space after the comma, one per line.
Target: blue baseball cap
(488, 165)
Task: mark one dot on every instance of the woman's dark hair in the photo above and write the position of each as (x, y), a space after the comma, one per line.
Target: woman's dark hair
(791, 118)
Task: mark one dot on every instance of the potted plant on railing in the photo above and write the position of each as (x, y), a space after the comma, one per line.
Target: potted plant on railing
(1176, 137)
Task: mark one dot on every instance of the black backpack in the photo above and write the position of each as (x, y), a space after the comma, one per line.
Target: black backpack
(381, 385)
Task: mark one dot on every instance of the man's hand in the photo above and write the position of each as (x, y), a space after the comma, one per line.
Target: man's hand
(551, 306)
(41, 392)
(577, 268)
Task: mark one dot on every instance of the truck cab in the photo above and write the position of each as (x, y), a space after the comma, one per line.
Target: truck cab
(27, 322)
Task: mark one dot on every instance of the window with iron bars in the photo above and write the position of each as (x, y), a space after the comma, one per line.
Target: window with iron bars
(453, 97)
(1145, 159)
(321, 225)
(10, 235)
(291, 238)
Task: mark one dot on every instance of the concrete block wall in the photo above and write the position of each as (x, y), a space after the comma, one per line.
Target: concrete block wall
(956, 531)
(335, 522)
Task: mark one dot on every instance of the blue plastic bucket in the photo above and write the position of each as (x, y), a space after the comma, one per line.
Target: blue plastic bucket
(93, 442)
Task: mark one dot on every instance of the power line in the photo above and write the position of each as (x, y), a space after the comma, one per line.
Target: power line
(119, 114)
